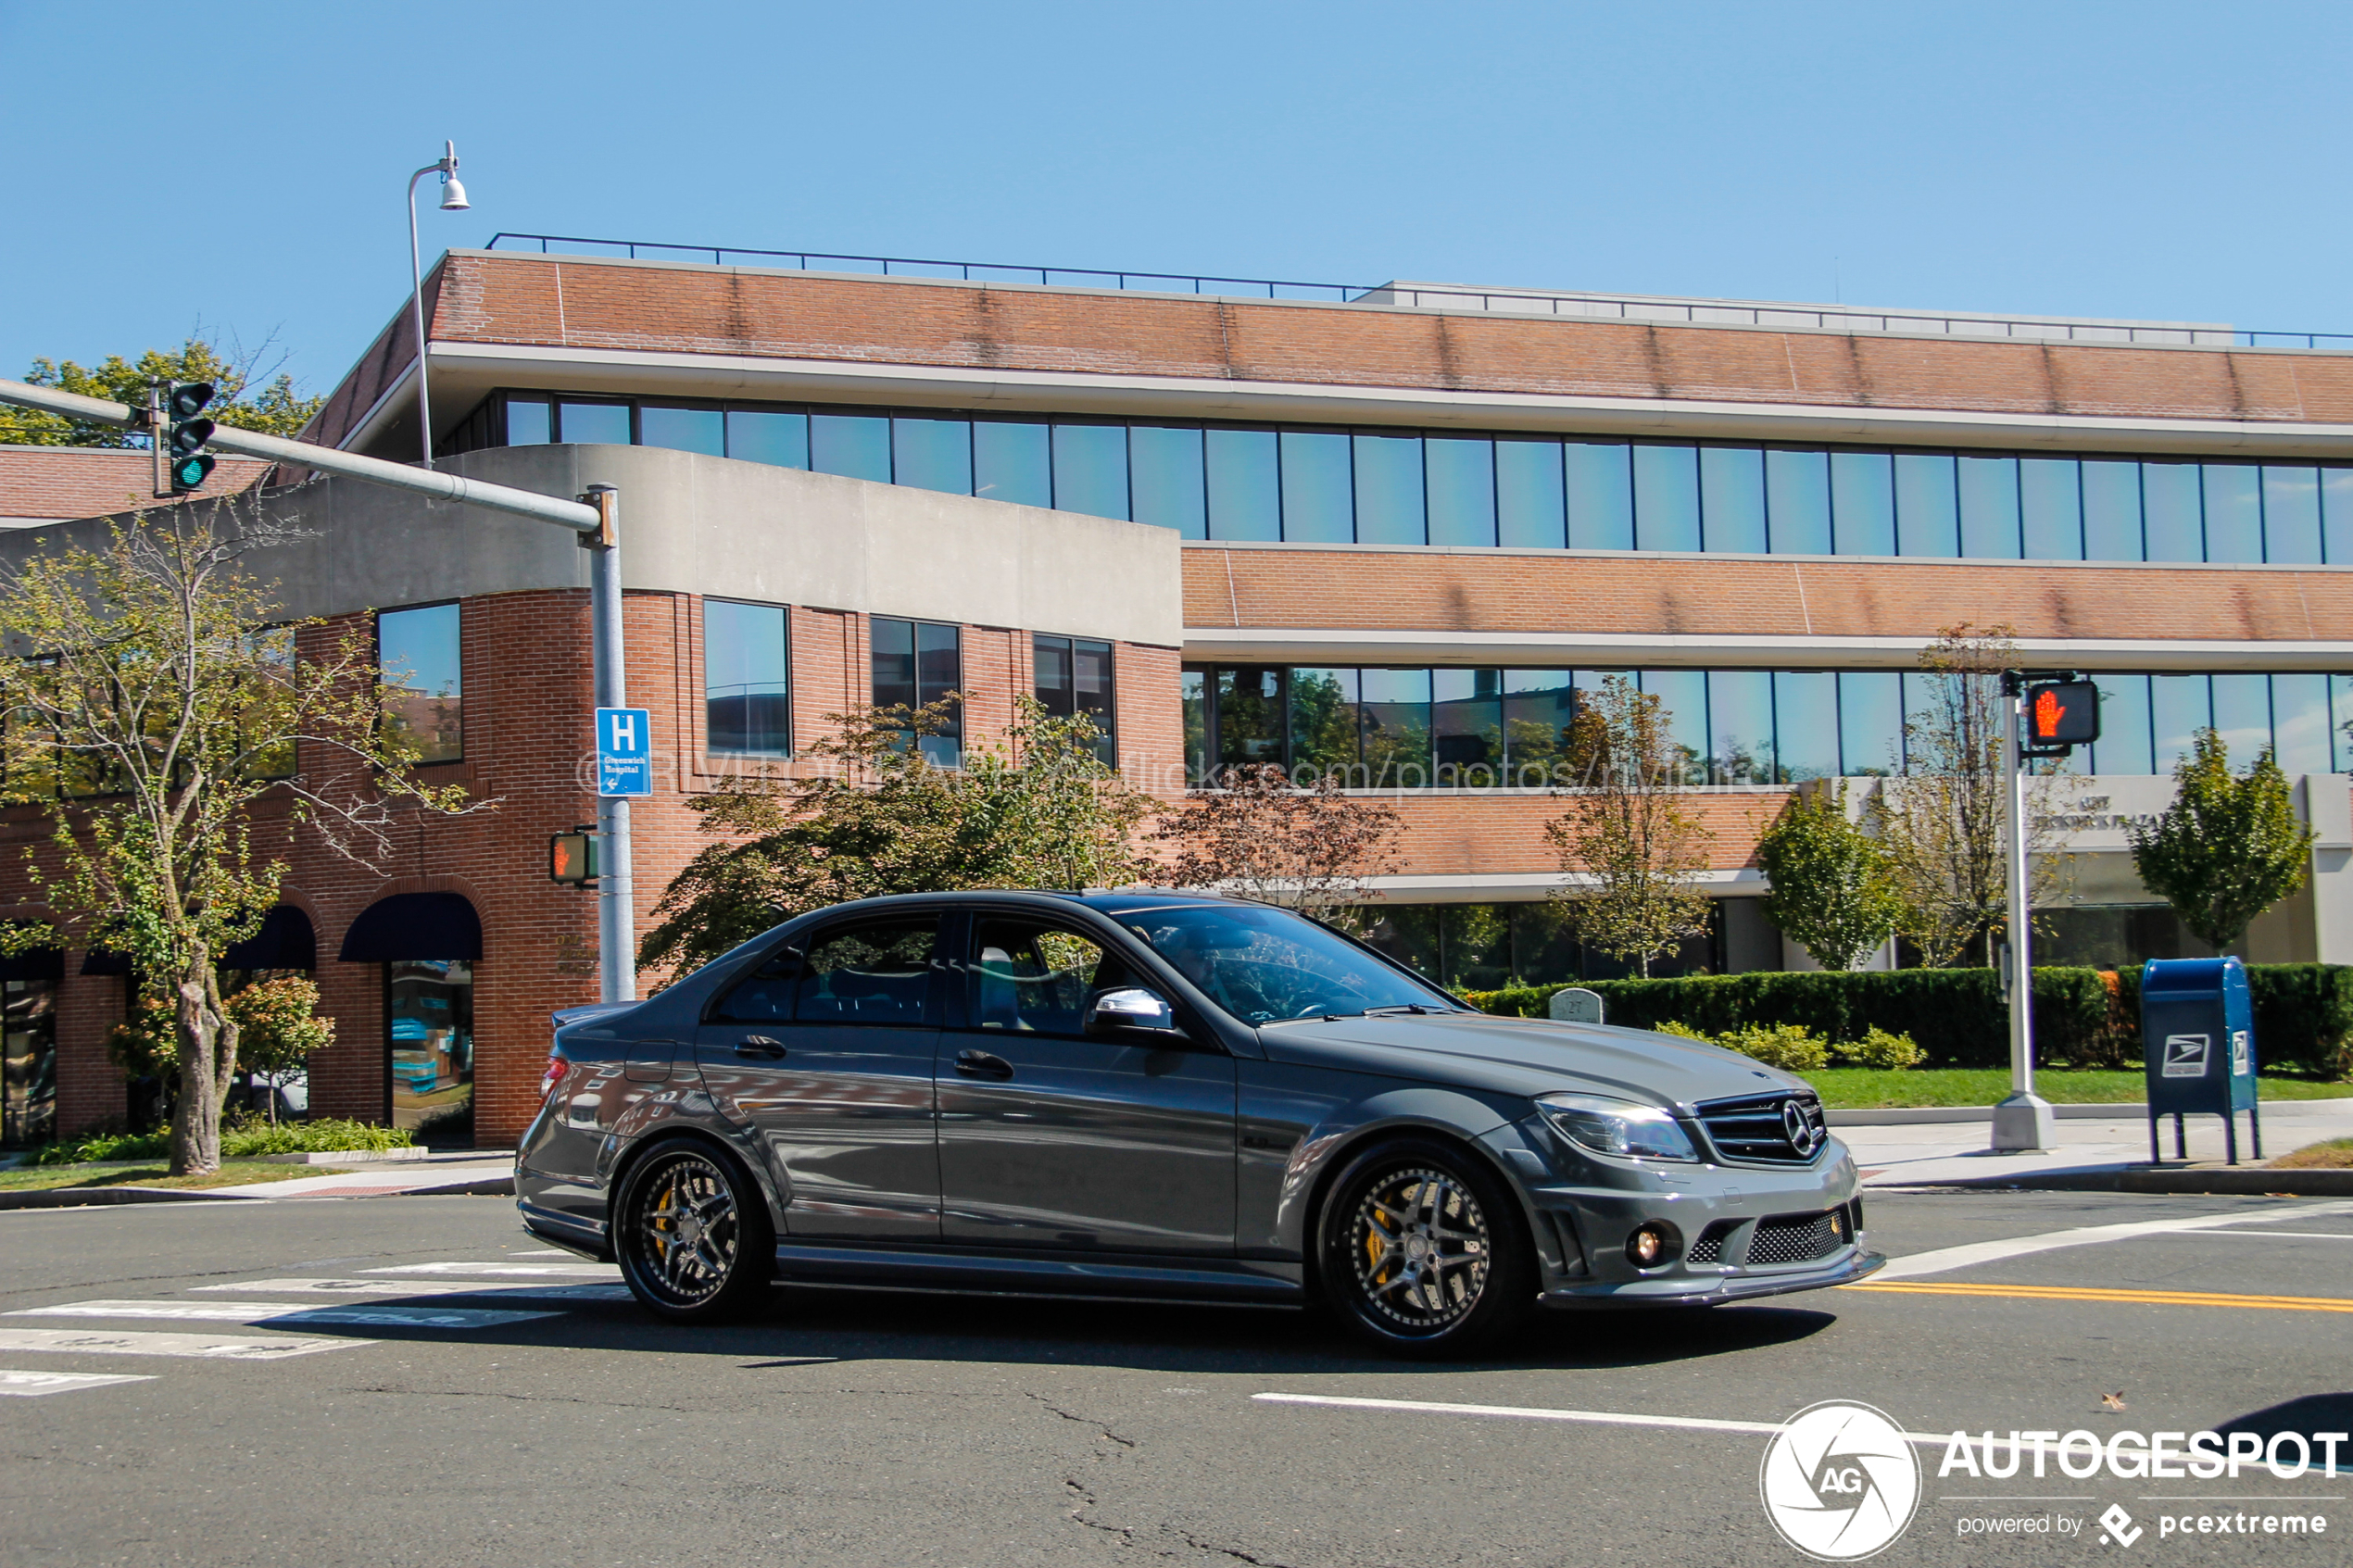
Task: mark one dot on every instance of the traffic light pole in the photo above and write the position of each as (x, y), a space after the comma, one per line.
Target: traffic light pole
(2022, 1122)
(595, 518)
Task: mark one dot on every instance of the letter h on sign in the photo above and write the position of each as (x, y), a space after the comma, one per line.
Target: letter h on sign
(624, 751)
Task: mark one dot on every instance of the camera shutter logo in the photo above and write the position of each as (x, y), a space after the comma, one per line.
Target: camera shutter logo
(1840, 1481)
(2185, 1055)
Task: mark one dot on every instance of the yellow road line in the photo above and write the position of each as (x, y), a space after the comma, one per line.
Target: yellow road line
(2093, 1293)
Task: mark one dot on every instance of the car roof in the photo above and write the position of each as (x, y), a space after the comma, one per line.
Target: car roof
(1109, 903)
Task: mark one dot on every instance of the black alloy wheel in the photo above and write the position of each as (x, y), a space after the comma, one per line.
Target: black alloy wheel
(692, 1233)
(1423, 1250)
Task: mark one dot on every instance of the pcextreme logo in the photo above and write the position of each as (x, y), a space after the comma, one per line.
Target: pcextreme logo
(1840, 1481)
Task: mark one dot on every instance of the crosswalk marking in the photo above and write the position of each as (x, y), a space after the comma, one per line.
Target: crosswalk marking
(427, 1287)
(293, 1314)
(204, 1347)
(501, 1270)
(33, 1383)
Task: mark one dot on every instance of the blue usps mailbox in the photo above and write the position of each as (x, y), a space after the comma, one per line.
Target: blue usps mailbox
(2198, 1034)
(624, 751)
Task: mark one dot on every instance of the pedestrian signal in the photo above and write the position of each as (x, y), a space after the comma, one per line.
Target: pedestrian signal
(2062, 714)
(572, 856)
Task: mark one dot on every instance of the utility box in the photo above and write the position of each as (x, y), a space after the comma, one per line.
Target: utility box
(2197, 1031)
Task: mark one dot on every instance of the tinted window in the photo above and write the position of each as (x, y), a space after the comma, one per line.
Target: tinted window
(1169, 484)
(877, 973)
(850, 445)
(417, 652)
(933, 454)
(1264, 965)
(1318, 498)
(757, 437)
(594, 424)
(1601, 497)
(527, 422)
(1245, 501)
(747, 693)
(1073, 676)
(688, 430)
(1090, 469)
(1010, 463)
(1031, 978)
(1389, 490)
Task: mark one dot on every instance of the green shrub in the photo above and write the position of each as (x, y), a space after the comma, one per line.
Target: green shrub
(245, 1137)
(1882, 1050)
(1786, 1046)
(1683, 1032)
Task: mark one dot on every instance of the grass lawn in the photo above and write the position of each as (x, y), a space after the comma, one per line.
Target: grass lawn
(234, 1173)
(1863, 1088)
(2335, 1154)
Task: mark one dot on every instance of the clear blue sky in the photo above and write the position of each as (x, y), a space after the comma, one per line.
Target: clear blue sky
(2151, 159)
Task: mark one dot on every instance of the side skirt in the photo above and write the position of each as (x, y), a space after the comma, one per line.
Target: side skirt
(1139, 1277)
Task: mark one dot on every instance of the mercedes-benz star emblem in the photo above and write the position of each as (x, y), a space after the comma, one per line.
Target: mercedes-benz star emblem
(1800, 1130)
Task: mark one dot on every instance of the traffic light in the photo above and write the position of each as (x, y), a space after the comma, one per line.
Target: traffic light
(183, 407)
(2060, 714)
(572, 856)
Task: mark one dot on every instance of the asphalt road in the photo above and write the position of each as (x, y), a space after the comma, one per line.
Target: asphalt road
(864, 1428)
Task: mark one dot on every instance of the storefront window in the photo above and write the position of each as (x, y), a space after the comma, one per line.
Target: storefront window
(429, 1011)
(29, 1073)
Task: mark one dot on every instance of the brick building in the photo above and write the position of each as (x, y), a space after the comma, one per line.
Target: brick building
(1392, 532)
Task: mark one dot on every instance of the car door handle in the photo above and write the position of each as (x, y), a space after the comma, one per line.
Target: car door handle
(980, 1064)
(760, 1045)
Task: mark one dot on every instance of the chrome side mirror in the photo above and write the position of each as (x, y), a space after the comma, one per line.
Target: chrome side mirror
(1131, 1007)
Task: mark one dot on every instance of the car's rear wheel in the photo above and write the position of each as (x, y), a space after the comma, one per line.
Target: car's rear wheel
(692, 1235)
(1423, 1252)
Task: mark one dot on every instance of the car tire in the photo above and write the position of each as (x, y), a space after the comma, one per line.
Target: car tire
(1423, 1252)
(692, 1235)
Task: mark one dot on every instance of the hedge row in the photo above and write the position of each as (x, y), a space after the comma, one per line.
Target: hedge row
(2083, 1017)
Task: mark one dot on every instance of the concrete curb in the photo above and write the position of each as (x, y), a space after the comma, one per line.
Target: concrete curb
(99, 1197)
(2130, 1110)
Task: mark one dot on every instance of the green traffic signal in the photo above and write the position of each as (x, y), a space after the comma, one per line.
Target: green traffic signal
(185, 402)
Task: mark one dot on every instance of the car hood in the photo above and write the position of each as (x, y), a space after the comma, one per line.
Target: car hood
(1526, 1056)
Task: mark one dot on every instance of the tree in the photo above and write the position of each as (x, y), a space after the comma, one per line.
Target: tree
(179, 741)
(279, 1029)
(247, 393)
(1831, 892)
(1942, 820)
(1255, 833)
(1629, 836)
(877, 817)
(2227, 848)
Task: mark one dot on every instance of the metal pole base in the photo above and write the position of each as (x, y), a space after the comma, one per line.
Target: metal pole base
(2023, 1124)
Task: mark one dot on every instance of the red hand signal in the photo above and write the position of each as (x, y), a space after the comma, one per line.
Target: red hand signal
(2047, 714)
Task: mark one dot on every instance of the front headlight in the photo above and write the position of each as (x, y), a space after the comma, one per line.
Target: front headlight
(1618, 1127)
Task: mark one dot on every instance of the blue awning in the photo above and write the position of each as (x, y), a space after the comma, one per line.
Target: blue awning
(414, 925)
(285, 941)
(37, 963)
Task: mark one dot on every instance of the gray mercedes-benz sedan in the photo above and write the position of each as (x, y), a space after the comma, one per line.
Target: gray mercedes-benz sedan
(1163, 1096)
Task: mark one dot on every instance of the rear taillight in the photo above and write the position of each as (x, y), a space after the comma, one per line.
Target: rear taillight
(557, 1067)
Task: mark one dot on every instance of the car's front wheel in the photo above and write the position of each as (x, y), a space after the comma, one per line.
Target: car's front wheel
(692, 1233)
(1423, 1250)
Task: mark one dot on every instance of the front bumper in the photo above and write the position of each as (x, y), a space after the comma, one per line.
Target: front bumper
(1696, 1290)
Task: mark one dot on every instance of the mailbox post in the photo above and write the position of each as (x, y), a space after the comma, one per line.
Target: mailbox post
(2197, 1035)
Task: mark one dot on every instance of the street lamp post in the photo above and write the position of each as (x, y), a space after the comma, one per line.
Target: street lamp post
(453, 199)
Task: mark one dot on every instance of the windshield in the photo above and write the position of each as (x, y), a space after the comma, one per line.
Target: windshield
(1266, 965)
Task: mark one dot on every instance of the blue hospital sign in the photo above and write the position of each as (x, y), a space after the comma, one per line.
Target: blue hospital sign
(624, 751)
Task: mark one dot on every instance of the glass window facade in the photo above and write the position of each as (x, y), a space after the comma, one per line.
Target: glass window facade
(1073, 675)
(429, 1017)
(27, 1062)
(1387, 728)
(418, 660)
(915, 663)
(1405, 487)
(747, 688)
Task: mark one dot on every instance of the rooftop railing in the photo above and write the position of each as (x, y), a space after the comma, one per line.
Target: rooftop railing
(1587, 306)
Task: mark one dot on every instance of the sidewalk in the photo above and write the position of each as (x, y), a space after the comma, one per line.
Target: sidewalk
(485, 1169)
(2090, 1147)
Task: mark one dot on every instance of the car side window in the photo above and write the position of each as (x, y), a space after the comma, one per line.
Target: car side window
(877, 973)
(766, 994)
(1033, 977)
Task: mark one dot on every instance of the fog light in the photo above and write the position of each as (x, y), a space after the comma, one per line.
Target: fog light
(1652, 1245)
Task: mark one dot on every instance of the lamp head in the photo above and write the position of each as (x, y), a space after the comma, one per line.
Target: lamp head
(453, 195)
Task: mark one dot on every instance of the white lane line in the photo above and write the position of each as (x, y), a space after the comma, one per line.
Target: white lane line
(204, 1347)
(34, 1383)
(407, 1287)
(291, 1314)
(504, 1271)
(1531, 1412)
(1948, 1257)
(2305, 1235)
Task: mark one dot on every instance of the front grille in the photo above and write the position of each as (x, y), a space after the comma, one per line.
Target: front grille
(1709, 1248)
(1797, 1239)
(1756, 1128)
